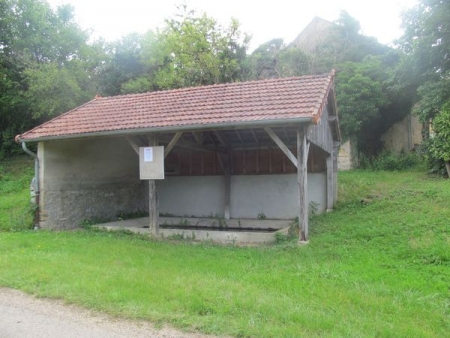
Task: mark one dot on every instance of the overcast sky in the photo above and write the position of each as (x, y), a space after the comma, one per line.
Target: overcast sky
(263, 19)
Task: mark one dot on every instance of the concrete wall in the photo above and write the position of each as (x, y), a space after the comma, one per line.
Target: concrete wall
(86, 179)
(276, 196)
(99, 179)
(191, 195)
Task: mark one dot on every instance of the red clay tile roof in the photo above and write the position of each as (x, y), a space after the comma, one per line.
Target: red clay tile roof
(292, 99)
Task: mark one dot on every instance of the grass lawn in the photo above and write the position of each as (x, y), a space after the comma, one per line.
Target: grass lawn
(380, 268)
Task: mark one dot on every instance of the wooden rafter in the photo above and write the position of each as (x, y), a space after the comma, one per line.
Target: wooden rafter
(132, 144)
(172, 143)
(281, 145)
(219, 137)
(198, 137)
(254, 135)
(286, 134)
(239, 136)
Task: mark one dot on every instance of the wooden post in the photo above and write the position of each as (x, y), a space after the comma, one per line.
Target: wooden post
(302, 182)
(153, 207)
(335, 170)
(227, 168)
(225, 163)
(330, 183)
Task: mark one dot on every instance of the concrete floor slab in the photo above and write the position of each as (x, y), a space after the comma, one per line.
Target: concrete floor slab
(232, 231)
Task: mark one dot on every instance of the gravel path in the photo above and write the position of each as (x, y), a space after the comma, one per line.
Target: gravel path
(24, 316)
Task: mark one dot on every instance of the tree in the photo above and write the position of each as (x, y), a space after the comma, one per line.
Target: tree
(47, 65)
(190, 50)
(123, 64)
(360, 94)
(440, 142)
(263, 63)
(427, 42)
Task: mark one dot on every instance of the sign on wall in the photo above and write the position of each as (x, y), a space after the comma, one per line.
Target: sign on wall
(151, 163)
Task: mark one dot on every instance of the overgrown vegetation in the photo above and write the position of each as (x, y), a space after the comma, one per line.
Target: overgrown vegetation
(48, 66)
(427, 43)
(376, 266)
(392, 162)
(16, 212)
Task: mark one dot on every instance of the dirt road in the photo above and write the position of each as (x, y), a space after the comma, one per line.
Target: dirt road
(24, 316)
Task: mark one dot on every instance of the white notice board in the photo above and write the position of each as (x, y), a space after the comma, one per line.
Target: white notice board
(151, 163)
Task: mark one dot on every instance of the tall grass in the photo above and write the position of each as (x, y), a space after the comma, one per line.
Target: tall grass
(378, 266)
(15, 209)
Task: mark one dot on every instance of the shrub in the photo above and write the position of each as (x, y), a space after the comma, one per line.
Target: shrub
(391, 162)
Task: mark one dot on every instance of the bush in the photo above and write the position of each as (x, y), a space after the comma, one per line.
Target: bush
(435, 165)
(391, 162)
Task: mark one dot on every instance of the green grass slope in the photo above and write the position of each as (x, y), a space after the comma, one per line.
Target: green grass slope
(378, 266)
(15, 178)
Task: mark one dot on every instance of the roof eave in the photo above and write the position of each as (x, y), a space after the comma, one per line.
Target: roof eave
(191, 127)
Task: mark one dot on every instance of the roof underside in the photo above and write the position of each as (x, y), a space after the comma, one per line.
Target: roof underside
(259, 102)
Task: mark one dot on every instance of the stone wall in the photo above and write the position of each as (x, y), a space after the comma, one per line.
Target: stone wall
(403, 136)
(87, 179)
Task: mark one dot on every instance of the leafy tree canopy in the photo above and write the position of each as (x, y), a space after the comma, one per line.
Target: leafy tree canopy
(190, 50)
(47, 65)
(427, 43)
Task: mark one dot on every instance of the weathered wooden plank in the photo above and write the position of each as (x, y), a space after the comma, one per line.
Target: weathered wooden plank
(302, 182)
(133, 144)
(225, 162)
(153, 211)
(195, 147)
(153, 205)
(320, 134)
(330, 183)
(172, 143)
(281, 145)
(335, 170)
(198, 135)
(220, 138)
(227, 213)
(254, 136)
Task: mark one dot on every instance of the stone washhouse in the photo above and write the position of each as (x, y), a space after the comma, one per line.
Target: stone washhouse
(231, 153)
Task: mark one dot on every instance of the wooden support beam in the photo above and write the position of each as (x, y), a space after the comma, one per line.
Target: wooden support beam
(198, 137)
(302, 182)
(286, 134)
(225, 163)
(335, 171)
(192, 146)
(153, 205)
(254, 136)
(133, 144)
(282, 146)
(239, 136)
(220, 138)
(172, 143)
(222, 164)
(227, 213)
(330, 185)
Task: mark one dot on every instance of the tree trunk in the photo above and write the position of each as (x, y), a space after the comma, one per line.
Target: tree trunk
(447, 166)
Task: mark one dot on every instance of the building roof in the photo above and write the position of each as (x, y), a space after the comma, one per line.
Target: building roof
(295, 99)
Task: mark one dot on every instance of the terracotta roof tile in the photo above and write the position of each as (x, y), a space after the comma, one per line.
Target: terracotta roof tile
(231, 104)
